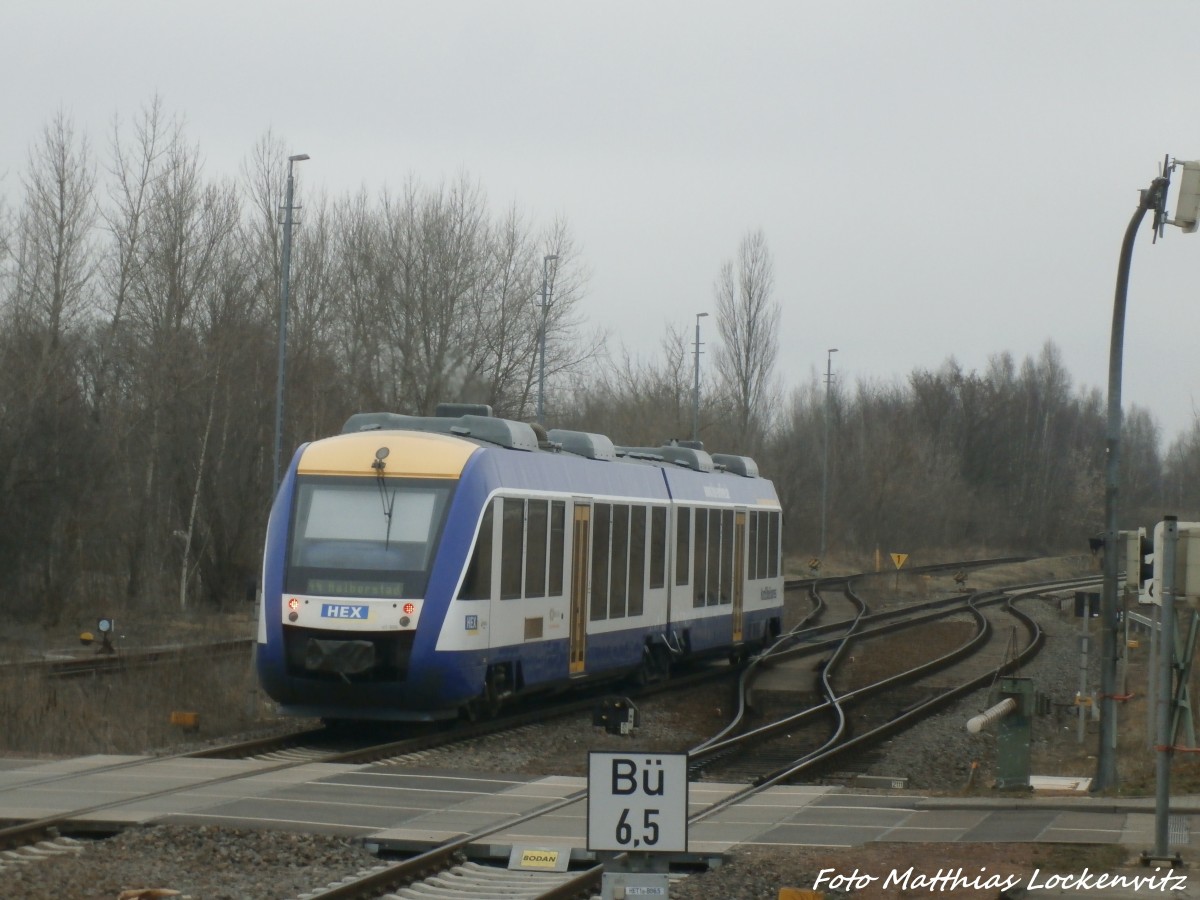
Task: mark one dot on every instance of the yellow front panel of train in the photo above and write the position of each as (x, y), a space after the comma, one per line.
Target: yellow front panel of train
(411, 454)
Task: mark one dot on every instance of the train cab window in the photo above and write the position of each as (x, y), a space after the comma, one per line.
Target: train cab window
(618, 594)
(683, 544)
(637, 560)
(512, 534)
(558, 530)
(346, 541)
(700, 564)
(712, 595)
(601, 538)
(658, 547)
(477, 585)
(536, 534)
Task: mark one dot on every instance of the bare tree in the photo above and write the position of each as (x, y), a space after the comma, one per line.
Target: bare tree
(748, 322)
(55, 230)
(43, 419)
(568, 349)
(637, 402)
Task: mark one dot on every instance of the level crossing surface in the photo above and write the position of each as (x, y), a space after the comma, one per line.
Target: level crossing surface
(407, 808)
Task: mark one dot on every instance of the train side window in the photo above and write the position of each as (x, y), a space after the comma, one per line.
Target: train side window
(713, 593)
(773, 547)
(752, 542)
(764, 542)
(558, 530)
(700, 564)
(637, 560)
(683, 543)
(658, 547)
(727, 544)
(535, 549)
(477, 585)
(601, 538)
(619, 583)
(511, 548)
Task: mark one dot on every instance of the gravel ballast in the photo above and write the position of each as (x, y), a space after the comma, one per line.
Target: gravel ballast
(216, 863)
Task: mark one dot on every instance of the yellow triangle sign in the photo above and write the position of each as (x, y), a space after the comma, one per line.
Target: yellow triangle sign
(899, 559)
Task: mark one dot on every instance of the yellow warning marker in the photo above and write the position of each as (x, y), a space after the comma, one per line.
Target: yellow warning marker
(188, 721)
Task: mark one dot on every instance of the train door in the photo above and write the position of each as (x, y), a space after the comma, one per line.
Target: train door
(580, 556)
(739, 571)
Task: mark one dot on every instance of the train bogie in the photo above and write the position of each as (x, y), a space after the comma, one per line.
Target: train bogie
(423, 567)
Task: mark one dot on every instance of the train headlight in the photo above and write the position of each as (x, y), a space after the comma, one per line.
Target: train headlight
(404, 620)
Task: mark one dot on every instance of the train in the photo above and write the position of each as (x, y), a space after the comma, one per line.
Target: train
(423, 568)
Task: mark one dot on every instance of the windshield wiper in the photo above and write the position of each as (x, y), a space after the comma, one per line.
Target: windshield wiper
(389, 502)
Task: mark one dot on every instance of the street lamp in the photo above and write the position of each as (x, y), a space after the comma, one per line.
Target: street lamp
(547, 291)
(696, 388)
(825, 465)
(286, 265)
(1153, 199)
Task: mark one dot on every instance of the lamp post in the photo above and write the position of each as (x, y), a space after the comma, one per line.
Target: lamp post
(286, 265)
(825, 465)
(546, 293)
(1187, 217)
(696, 387)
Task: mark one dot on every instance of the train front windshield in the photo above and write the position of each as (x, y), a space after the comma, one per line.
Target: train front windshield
(364, 537)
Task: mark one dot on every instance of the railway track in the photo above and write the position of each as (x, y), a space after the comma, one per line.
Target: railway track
(412, 879)
(322, 745)
(125, 660)
(837, 705)
(450, 864)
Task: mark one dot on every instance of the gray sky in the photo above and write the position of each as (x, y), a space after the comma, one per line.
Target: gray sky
(933, 178)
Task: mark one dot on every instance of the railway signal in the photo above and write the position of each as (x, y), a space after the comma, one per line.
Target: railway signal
(1137, 555)
(105, 627)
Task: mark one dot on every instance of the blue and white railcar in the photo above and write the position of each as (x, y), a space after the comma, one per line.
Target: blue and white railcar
(416, 568)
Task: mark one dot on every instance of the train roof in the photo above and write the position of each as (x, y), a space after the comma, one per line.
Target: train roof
(501, 432)
(476, 422)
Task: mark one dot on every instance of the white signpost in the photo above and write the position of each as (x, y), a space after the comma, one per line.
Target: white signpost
(637, 802)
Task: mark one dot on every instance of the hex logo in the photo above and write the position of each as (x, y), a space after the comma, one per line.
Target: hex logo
(343, 611)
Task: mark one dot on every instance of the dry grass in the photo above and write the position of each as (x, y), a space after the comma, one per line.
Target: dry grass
(130, 711)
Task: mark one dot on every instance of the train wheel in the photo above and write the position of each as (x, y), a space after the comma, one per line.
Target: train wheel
(495, 690)
(645, 670)
(486, 706)
(662, 661)
(492, 703)
(655, 665)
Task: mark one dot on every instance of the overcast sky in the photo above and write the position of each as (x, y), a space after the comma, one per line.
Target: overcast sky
(934, 179)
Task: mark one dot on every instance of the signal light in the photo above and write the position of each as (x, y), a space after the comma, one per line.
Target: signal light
(1136, 556)
(1146, 559)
